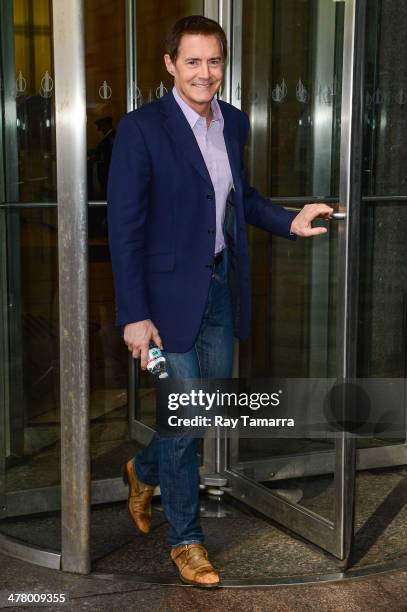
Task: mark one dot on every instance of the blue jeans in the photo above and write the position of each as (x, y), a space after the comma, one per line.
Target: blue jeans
(173, 462)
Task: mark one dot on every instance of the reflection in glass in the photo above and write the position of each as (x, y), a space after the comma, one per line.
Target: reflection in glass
(296, 320)
(33, 431)
(291, 89)
(105, 64)
(153, 20)
(382, 331)
(383, 301)
(29, 332)
(153, 81)
(385, 138)
(112, 439)
(33, 126)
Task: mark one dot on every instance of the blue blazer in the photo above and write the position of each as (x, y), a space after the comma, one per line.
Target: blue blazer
(161, 221)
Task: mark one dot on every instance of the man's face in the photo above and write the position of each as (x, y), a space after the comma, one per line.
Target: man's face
(198, 69)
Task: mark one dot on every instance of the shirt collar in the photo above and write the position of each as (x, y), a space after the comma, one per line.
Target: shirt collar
(192, 116)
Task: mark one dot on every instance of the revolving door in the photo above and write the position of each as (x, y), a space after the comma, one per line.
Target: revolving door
(322, 84)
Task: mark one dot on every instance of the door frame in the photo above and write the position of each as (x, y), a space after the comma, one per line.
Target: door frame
(333, 536)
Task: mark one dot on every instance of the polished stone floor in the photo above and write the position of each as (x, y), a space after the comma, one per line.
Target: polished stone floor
(242, 544)
(386, 593)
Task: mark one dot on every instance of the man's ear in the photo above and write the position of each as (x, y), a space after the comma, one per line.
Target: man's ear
(169, 65)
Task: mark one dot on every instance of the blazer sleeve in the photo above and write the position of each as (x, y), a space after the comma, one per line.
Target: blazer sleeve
(127, 203)
(260, 211)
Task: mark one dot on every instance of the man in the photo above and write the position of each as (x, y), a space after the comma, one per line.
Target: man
(177, 164)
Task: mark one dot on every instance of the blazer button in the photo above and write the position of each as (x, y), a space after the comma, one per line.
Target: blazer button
(209, 196)
(211, 231)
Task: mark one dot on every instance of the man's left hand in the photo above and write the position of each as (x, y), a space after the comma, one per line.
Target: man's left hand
(301, 225)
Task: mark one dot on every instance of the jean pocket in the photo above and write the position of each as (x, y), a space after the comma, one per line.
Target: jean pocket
(220, 276)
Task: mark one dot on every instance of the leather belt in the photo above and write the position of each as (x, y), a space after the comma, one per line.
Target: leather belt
(218, 258)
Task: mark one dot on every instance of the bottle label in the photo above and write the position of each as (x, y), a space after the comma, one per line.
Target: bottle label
(153, 363)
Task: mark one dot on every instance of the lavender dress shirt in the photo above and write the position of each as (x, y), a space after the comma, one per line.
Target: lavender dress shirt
(212, 145)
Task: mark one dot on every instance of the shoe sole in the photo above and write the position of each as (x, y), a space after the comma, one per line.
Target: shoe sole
(201, 585)
(126, 480)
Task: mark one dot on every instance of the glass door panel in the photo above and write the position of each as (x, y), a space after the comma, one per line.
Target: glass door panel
(107, 60)
(151, 81)
(124, 69)
(289, 81)
(382, 315)
(300, 343)
(29, 361)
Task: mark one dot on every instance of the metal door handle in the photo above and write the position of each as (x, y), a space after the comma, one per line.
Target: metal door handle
(337, 216)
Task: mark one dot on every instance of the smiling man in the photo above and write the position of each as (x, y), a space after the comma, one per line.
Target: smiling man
(178, 204)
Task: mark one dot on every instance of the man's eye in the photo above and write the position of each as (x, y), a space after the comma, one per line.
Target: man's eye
(215, 62)
(192, 62)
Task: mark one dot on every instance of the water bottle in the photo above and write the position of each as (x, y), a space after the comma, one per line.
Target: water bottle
(156, 363)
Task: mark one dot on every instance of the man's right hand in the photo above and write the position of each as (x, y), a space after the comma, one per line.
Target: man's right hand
(138, 336)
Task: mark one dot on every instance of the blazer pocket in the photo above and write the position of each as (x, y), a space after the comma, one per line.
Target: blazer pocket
(160, 262)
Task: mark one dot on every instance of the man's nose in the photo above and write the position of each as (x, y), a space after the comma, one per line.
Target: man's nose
(204, 72)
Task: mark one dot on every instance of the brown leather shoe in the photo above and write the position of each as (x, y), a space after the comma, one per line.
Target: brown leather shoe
(194, 566)
(139, 501)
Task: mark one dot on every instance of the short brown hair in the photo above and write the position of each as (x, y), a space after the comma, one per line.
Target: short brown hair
(194, 24)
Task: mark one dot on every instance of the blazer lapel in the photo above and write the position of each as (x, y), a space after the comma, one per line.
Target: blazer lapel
(232, 145)
(180, 131)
